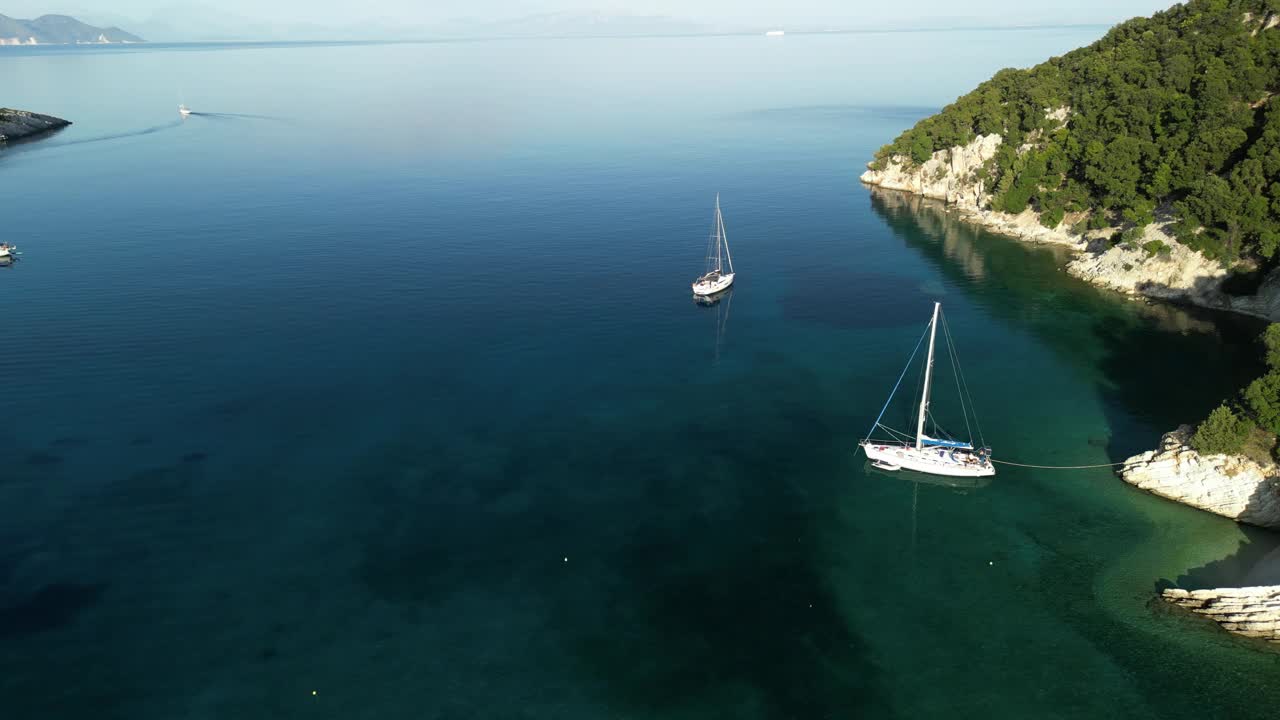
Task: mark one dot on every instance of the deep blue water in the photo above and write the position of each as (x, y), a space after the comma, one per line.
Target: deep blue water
(375, 389)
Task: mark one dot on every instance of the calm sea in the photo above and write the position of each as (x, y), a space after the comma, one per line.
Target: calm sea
(375, 390)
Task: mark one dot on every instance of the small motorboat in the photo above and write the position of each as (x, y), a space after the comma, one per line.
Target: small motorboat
(8, 253)
(885, 465)
(183, 110)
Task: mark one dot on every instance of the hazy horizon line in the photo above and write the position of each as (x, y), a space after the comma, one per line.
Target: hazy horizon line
(610, 36)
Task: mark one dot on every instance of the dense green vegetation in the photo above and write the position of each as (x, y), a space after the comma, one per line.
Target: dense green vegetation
(1223, 432)
(1262, 397)
(1229, 427)
(1172, 111)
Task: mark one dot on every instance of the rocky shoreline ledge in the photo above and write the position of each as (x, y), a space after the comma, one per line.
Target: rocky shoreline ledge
(1252, 612)
(1175, 273)
(1232, 486)
(20, 124)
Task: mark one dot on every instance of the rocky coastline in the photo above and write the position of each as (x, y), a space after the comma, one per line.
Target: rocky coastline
(1176, 272)
(20, 124)
(1232, 486)
(1252, 612)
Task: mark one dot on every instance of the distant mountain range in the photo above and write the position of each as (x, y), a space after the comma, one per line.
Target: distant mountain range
(201, 23)
(58, 30)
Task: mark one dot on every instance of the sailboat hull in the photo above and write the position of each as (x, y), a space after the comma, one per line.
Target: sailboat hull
(712, 284)
(931, 460)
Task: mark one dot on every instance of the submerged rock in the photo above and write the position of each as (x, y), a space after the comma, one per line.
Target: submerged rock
(1229, 485)
(1249, 611)
(18, 124)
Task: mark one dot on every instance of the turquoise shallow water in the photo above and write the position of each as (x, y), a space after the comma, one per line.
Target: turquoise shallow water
(379, 379)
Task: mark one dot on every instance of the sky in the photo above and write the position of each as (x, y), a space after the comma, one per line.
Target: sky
(814, 14)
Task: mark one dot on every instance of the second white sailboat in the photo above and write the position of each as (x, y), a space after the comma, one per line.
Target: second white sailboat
(715, 279)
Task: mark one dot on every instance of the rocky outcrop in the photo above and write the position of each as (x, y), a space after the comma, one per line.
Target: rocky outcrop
(1229, 485)
(1249, 611)
(950, 175)
(1154, 265)
(1263, 303)
(1174, 272)
(18, 124)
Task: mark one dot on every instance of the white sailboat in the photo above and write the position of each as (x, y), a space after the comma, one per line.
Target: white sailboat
(939, 453)
(183, 110)
(715, 279)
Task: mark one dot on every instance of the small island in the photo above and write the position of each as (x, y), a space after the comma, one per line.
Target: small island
(20, 124)
(59, 30)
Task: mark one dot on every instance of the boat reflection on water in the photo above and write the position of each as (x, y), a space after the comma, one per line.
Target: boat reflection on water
(960, 484)
(714, 299)
(722, 302)
(955, 482)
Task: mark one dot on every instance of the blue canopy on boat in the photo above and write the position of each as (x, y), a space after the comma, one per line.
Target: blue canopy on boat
(926, 440)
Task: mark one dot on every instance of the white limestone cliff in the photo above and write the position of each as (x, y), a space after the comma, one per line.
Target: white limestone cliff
(1175, 272)
(1248, 611)
(1229, 485)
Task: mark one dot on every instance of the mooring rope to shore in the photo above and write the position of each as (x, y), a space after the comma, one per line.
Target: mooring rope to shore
(1062, 467)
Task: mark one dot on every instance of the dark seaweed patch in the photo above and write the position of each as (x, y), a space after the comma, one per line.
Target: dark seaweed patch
(161, 485)
(40, 458)
(51, 607)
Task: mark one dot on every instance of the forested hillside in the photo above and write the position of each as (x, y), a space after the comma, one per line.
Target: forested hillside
(1172, 112)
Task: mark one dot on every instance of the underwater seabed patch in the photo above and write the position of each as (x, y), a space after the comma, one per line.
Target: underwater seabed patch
(1180, 539)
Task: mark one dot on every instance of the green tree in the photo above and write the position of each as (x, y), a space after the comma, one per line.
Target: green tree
(1263, 399)
(1222, 433)
(921, 148)
(1271, 341)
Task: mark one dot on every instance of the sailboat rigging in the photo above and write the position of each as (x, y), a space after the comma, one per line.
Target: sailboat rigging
(939, 453)
(715, 279)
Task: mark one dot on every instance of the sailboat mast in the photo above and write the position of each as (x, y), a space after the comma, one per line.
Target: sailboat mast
(928, 378)
(724, 234)
(719, 231)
